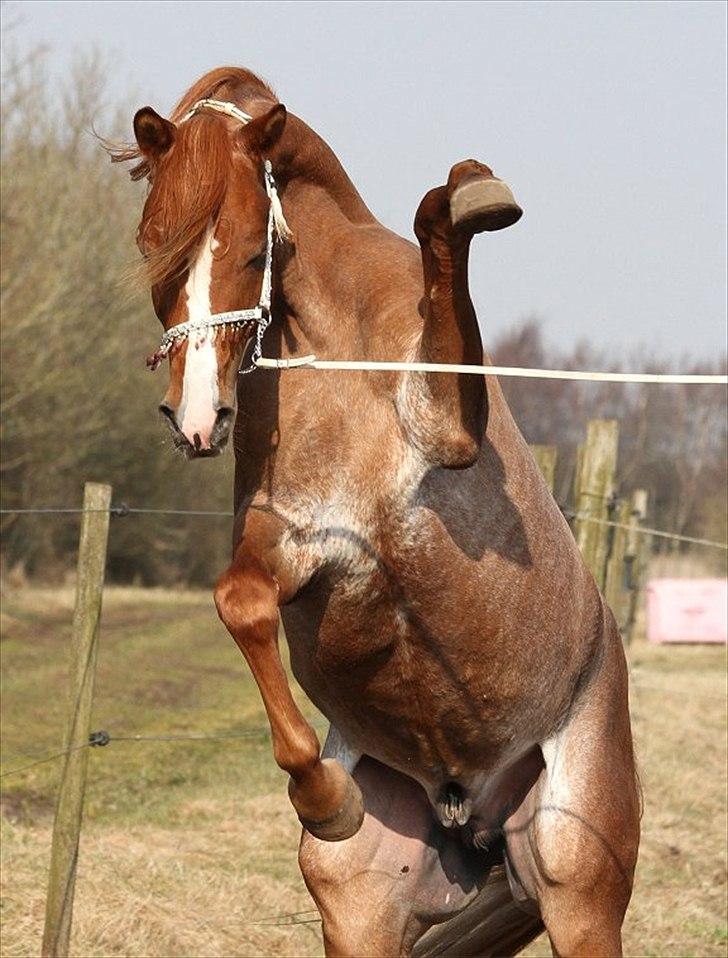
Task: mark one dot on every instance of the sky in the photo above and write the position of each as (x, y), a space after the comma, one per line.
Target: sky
(608, 120)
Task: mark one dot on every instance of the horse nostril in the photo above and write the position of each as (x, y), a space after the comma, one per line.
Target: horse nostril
(224, 413)
(223, 422)
(167, 411)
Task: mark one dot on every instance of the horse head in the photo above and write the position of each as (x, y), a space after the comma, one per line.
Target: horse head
(206, 234)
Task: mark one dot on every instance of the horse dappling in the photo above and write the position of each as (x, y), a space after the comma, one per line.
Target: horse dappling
(477, 782)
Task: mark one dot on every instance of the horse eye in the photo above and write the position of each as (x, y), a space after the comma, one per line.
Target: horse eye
(258, 261)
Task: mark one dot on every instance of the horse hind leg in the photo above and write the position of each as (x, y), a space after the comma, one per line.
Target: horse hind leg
(573, 841)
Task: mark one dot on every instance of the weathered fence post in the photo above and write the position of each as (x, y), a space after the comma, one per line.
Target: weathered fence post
(578, 465)
(596, 468)
(635, 553)
(638, 513)
(545, 457)
(615, 583)
(84, 644)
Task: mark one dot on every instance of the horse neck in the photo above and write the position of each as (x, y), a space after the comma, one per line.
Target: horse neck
(322, 207)
(310, 165)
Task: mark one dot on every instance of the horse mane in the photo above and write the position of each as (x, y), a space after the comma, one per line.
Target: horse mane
(239, 84)
(192, 177)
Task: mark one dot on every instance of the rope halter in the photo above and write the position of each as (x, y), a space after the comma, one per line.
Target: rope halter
(236, 318)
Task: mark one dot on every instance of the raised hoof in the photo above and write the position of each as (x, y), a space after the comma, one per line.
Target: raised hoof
(344, 822)
(483, 204)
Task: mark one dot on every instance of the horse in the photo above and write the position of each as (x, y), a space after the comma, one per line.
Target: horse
(477, 783)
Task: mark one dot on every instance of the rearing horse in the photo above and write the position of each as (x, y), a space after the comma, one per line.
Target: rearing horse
(477, 782)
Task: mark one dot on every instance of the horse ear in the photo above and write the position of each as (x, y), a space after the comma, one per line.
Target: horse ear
(153, 133)
(262, 133)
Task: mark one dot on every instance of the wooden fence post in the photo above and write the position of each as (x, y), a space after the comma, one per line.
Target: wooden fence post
(545, 457)
(616, 588)
(635, 557)
(578, 466)
(595, 477)
(638, 513)
(84, 645)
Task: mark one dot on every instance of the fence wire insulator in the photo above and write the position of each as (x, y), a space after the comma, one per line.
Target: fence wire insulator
(99, 738)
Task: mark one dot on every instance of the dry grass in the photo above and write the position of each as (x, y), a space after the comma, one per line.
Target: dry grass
(188, 848)
(203, 886)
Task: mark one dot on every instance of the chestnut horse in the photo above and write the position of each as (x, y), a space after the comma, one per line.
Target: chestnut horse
(477, 782)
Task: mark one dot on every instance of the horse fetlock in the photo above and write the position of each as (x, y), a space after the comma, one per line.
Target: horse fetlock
(328, 801)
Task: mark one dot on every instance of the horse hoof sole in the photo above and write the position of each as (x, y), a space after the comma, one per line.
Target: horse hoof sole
(344, 823)
(483, 204)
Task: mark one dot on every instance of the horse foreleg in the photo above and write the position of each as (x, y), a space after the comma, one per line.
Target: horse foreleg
(326, 798)
(448, 217)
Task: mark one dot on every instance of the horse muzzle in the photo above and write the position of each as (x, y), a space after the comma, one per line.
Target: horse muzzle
(202, 436)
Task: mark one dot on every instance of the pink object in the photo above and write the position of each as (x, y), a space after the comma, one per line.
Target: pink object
(687, 610)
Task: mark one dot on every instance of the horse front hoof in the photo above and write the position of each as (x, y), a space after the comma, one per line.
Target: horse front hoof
(345, 820)
(483, 204)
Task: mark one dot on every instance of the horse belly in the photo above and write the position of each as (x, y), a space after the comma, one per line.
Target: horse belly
(394, 690)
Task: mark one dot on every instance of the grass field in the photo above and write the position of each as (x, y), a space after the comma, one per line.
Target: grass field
(189, 848)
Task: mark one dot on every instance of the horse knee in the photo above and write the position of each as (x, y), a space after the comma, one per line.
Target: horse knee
(246, 599)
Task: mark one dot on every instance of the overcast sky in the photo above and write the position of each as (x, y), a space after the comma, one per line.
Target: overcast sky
(607, 119)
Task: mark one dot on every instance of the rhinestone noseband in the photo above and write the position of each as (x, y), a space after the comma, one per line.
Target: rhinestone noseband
(236, 318)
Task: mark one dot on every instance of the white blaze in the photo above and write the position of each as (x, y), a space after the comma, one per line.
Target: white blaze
(197, 412)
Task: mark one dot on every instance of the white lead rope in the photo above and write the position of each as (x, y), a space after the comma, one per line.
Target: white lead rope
(260, 314)
(311, 362)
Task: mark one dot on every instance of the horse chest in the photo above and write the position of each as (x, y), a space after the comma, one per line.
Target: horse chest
(346, 550)
(400, 641)
(357, 642)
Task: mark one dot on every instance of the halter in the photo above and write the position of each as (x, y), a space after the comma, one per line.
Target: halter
(236, 318)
